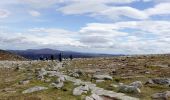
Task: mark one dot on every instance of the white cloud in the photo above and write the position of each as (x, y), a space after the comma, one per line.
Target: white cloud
(101, 8)
(156, 1)
(4, 13)
(34, 13)
(118, 12)
(160, 9)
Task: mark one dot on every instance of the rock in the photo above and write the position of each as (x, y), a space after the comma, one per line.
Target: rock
(161, 96)
(129, 89)
(24, 82)
(62, 79)
(34, 89)
(74, 75)
(88, 98)
(137, 84)
(41, 73)
(93, 97)
(96, 97)
(102, 77)
(113, 85)
(81, 89)
(47, 80)
(114, 71)
(77, 73)
(99, 81)
(160, 81)
(57, 85)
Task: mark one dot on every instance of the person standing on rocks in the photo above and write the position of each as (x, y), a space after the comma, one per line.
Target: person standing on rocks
(60, 57)
(71, 57)
(52, 57)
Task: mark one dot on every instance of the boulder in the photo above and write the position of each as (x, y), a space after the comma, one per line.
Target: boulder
(137, 84)
(34, 89)
(161, 96)
(102, 77)
(80, 90)
(160, 81)
(57, 85)
(129, 89)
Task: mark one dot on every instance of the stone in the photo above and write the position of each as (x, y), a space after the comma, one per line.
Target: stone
(47, 80)
(102, 77)
(161, 96)
(24, 82)
(93, 97)
(80, 90)
(137, 84)
(34, 89)
(88, 98)
(113, 85)
(57, 85)
(99, 81)
(96, 97)
(129, 89)
(160, 81)
(41, 73)
(74, 75)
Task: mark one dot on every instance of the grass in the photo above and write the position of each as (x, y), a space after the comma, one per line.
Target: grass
(9, 78)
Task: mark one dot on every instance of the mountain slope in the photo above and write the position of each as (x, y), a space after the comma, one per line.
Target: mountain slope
(5, 55)
(37, 53)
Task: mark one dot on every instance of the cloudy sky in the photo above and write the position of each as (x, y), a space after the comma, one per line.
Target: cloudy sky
(100, 26)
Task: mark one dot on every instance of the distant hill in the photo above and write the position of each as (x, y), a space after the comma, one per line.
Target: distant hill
(5, 55)
(37, 53)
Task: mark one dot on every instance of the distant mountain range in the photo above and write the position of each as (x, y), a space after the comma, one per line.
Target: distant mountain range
(35, 54)
(5, 55)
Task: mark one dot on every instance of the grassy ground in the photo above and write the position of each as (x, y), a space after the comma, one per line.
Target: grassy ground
(127, 70)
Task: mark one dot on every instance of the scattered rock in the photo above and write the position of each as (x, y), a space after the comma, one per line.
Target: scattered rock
(161, 96)
(93, 97)
(47, 80)
(77, 73)
(57, 85)
(80, 90)
(99, 81)
(160, 81)
(24, 82)
(41, 73)
(137, 84)
(129, 89)
(34, 89)
(102, 77)
(74, 75)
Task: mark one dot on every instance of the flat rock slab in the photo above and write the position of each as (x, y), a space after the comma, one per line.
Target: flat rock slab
(34, 89)
(102, 77)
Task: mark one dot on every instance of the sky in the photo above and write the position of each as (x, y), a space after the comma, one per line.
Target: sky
(94, 26)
